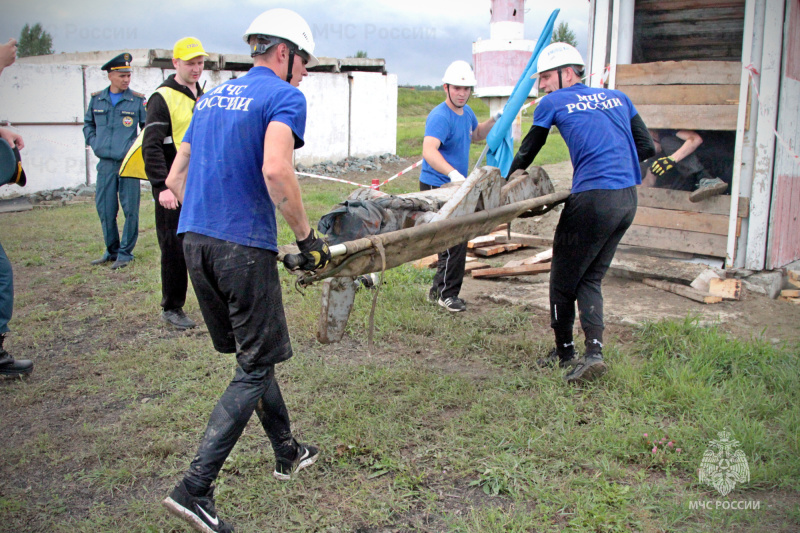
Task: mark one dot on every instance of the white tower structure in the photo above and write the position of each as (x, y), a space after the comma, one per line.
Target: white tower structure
(500, 60)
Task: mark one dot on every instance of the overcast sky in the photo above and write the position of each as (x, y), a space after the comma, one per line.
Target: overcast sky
(418, 38)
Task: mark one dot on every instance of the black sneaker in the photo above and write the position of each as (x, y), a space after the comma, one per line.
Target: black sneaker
(13, 367)
(178, 319)
(433, 295)
(454, 304)
(589, 367)
(103, 260)
(562, 360)
(285, 468)
(199, 512)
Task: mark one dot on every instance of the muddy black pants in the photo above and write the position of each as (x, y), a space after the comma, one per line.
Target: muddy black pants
(450, 270)
(588, 232)
(239, 294)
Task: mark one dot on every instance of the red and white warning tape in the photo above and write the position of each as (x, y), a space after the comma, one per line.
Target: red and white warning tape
(753, 72)
(373, 185)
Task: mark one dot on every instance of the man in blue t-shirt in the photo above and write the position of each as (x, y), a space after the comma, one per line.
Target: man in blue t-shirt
(606, 138)
(449, 130)
(233, 168)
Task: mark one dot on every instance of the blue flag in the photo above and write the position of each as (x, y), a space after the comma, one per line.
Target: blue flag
(499, 142)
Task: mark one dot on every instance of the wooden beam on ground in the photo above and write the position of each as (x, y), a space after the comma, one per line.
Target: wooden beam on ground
(680, 73)
(541, 257)
(790, 293)
(681, 94)
(676, 240)
(699, 117)
(475, 265)
(426, 262)
(683, 290)
(522, 270)
(483, 240)
(683, 220)
(729, 289)
(488, 251)
(527, 240)
(793, 274)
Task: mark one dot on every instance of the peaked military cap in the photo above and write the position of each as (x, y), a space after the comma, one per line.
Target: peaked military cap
(121, 63)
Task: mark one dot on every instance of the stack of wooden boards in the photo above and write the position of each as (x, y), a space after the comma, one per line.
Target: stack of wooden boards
(792, 295)
(496, 243)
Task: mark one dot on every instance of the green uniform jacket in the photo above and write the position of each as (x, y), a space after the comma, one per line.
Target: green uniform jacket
(110, 130)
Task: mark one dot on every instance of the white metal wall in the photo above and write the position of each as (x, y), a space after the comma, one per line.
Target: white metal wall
(348, 114)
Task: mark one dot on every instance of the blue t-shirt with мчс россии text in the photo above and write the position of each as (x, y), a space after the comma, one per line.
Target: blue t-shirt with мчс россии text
(225, 195)
(596, 125)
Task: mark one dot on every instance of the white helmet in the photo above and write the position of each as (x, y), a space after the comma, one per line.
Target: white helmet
(558, 55)
(286, 24)
(459, 73)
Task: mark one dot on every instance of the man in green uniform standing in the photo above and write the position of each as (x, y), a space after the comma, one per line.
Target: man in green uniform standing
(110, 127)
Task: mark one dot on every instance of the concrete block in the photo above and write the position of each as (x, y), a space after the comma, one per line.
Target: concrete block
(768, 283)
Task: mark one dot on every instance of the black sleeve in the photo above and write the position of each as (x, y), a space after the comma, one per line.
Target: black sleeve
(158, 127)
(641, 137)
(529, 148)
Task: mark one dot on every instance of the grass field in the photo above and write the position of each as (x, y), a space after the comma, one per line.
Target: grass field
(446, 426)
(413, 108)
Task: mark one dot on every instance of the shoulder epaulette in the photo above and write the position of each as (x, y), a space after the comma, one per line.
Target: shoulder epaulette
(140, 95)
(98, 92)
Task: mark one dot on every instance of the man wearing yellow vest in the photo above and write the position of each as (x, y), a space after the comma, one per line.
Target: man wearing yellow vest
(169, 112)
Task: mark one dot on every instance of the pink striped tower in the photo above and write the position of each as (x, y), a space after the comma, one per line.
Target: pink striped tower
(500, 60)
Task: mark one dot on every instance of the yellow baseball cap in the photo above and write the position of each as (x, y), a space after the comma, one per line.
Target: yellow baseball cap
(188, 48)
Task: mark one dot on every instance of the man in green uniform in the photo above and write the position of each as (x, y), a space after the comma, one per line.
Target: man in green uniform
(110, 127)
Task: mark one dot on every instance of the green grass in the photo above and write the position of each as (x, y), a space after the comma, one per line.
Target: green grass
(446, 426)
(413, 108)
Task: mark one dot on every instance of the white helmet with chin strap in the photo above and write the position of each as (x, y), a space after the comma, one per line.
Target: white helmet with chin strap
(459, 73)
(557, 55)
(282, 25)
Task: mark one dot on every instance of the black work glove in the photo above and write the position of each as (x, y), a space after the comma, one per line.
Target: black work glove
(662, 165)
(315, 252)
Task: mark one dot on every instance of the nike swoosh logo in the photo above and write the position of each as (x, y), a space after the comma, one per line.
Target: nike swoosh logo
(214, 521)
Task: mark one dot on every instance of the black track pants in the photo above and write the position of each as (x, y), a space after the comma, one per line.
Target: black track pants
(174, 278)
(588, 232)
(450, 270)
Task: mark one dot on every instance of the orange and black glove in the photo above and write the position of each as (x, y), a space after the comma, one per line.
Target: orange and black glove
(662, 165)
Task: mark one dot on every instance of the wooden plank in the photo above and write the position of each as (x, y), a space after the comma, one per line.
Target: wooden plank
(793, 274)
(489, 251)
(793, 282)
(483, 240)
(791, 293)
(680, 73)
(683, 290)
(426, 262)
(690, 117)
(795, 301)
(677, 240)
(541, 257)
(522, 270)
(697, 12)
(475, 265)
(681, 94)
(669, 199)
(663, 5)
(527, 240)
(683, 220)
(729, 289)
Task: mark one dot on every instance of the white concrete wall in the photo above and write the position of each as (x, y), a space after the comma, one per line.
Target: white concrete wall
(348, 114)
(373, 113)
(327, 123)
